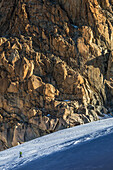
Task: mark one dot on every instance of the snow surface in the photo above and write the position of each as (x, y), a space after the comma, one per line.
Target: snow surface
(83, 147)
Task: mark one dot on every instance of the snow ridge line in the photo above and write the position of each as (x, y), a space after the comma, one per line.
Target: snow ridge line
(68, 144)
(86, 138)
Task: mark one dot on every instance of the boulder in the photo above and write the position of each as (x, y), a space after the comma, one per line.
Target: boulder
(49, 91)
(24, 68)
(60, 72)
(13, 88)
(35, 83)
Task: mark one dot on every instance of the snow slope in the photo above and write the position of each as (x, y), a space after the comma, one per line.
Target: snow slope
(87, 147)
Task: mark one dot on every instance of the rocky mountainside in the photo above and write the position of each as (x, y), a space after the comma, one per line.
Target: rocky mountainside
(56, 66)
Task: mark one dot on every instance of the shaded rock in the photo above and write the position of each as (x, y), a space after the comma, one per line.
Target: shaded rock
(110, 67)
(4, 83)
(14, 56)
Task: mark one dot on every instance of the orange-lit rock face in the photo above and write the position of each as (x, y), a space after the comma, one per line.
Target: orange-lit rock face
(55, 65)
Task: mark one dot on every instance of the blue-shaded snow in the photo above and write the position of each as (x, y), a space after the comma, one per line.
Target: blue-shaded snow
(64, 146)
(95, 154)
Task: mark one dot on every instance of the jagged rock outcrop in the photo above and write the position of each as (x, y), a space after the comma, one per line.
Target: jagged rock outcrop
(56, 64)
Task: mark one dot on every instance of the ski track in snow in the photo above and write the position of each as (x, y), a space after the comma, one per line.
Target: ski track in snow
(46, 145)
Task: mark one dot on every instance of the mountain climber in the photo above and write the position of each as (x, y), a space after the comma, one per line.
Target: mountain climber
(20, 154)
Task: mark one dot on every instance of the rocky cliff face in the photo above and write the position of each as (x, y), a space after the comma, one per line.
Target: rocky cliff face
(56, 66)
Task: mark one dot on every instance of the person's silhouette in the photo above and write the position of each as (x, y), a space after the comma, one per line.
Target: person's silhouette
(20, 154)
